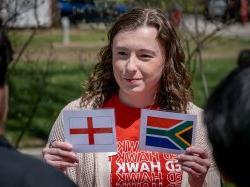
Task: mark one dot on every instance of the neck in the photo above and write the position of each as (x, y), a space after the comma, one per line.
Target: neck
(137, 100)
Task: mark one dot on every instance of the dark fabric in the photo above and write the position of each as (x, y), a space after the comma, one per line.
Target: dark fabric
(4, 143)
(6, 53)
(20, 170)
(3, 70)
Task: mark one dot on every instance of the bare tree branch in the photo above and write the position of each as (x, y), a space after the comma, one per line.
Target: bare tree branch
(42, 86)
(28, 41)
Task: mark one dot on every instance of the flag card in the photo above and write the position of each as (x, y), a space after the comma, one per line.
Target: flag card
(166, 131)
(90, 130)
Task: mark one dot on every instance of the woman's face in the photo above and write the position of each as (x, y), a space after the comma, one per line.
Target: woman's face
(138, 61)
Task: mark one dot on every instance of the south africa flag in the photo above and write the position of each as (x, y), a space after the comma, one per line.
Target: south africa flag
(166, 131)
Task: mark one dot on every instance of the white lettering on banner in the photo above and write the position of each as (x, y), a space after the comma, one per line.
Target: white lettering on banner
(138, 180)
(144, 168)
(177, 167)
(171, 177)
(121, 168)
(136, 167)
(174, 178)
(132, 167)
(172, 165)
(128, 152)
(137, 157)
(128, 146)
(132, 157)
(132, 146)
(133, 185)
(134, 178)
(120, 157)
(169, 156)
(146, 178)
(157, 179)
(120, 180)
(154, 157)
(157, 166)
(144, 157)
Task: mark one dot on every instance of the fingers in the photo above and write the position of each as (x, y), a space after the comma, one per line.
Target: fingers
(62, 145)
(195, 161)
(60, 155)
(195, 167)
(191, 172)
(60, 158)
(61, 164)
(197, 150)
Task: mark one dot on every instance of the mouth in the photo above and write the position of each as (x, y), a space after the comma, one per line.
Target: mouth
(132, 79)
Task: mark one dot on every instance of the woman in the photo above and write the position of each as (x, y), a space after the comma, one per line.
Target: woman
(141, 67)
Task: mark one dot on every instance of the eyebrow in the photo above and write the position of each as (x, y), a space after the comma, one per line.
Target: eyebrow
(148, 51)
(140, 50)
(121, 48)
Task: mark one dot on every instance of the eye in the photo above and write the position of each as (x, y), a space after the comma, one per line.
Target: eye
(146, 56)
(121, 53)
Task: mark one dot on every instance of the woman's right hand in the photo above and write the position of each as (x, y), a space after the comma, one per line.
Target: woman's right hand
(60, 155)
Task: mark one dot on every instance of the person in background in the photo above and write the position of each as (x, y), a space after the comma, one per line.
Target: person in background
(142, 66)
(227, 121)
(244, 11)
(175, 14)
(244, 58)
(17, 169)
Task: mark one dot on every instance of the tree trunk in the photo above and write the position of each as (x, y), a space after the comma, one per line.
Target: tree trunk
(55, 13)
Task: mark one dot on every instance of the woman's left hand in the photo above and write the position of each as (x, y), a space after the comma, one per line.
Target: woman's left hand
(195, 162)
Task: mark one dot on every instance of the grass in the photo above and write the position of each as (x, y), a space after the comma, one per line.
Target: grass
(63, 83)
(231, 45)
(43, 37)
(215, 70)
(66, 73)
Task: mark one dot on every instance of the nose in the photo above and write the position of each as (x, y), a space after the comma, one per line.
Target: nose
(131, 65)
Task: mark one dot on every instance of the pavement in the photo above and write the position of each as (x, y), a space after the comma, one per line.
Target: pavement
(36, 152)
(233, 30)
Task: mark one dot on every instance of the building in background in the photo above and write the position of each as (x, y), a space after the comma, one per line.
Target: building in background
(225, 10)
(91, 11)
(29, 13)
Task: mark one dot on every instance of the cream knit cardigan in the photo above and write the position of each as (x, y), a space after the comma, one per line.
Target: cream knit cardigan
(93, 168)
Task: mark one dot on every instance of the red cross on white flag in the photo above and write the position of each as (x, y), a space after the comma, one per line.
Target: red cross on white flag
(90, 130)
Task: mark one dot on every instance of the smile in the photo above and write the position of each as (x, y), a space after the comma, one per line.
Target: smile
(132, 80)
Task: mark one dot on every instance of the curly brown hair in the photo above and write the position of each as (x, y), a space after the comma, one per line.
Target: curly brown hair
(174, 91)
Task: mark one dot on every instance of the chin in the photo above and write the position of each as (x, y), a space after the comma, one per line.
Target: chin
(135, 91)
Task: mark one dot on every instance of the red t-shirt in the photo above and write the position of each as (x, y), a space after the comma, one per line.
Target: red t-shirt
(132, 167)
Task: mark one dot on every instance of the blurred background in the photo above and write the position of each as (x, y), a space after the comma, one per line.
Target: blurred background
(55, 44)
